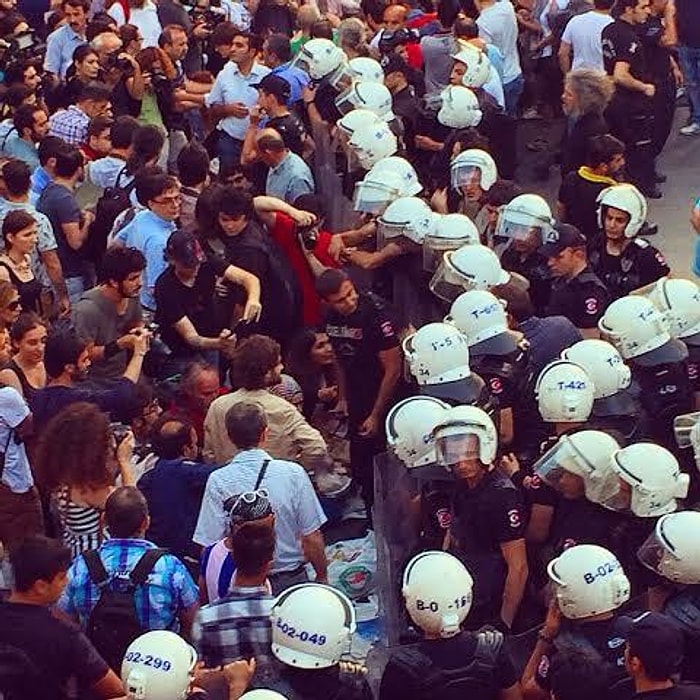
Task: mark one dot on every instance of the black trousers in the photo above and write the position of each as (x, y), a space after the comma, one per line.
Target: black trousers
(631, 119)
(664, 111)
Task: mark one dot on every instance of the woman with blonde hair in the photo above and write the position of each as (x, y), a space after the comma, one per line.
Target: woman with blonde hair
(587, 93)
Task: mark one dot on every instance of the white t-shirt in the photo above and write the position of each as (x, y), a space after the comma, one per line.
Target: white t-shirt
(498, 25)
(16, 474)
(145, 18)
(582, 33)
(560, 5)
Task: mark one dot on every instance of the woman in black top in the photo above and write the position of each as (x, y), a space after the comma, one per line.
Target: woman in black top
(26, 371)
(20, 235)
(84, 69)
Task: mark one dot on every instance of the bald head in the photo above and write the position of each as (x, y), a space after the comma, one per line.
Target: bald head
(126, 513)
(271, 147)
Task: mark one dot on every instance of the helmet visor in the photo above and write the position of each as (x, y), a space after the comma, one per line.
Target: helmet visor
(687, 430)
(465, 175)
(521, 227)
(341, 79)
(386, 230)
(459, 446)
(434, 248)
(655, 551)
(345, 101)
(373, 197)
(561, 459)
(446, 284)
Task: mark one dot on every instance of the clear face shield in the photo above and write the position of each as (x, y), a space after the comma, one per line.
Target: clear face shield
(458, 446)
(655, 554)
(446, 283)
(373, 197)
(566, 469)
(465, 178)
(434, 248)
(387, 230)
(524, 231)
(346, 101)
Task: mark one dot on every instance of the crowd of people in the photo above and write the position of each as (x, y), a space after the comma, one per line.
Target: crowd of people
(269, 268)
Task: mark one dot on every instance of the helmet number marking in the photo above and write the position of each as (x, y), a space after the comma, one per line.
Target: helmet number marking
(577, 384)
(422, 605)
(603, 570)
(301, 635)
(148, 660)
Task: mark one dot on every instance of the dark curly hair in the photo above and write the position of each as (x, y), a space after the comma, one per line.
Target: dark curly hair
(252, 360)
(73, 448)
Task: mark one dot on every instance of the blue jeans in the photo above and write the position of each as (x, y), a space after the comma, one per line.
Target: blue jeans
(512, 92)
(689, 58)
(229, 151)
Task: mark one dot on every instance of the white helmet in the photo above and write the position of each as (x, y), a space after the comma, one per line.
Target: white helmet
(686, 428)
(602, 363)
(372, 143)
(634, 326)
(409, 217)
(437, 353)
(464, 166)
(262, 694)
(409, 429)
(523, 216)
(363, 94)
(319, 58)
(458, 423)
(352, 121)
(627, 198)
(679, 302)
(479, 314)
(477, 62)
(437, 590)
(469, 267)
(367, 69)
(460, 108)
(672, 549)
(312, 626)
(451, 232)
(375, 192)
(587, 455)
(158, 665)
(653, 477)
(397, 165)
(588, 580)
(564, 393)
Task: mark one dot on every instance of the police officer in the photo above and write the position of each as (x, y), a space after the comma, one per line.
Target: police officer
(365, 339)
(577, 292)
(500, 356)
(671, 552)
(659, 364)
(523, 223)
(488, 517)
(616, 406)
(623, 260)
(631, 112)
(589, 585)
(447, 662)
(312, 627)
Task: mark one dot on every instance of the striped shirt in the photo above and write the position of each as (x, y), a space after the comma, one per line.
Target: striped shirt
(80, 524)
(236, 627)
(169, 588)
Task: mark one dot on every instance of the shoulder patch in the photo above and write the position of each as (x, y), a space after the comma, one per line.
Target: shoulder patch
(592, 305)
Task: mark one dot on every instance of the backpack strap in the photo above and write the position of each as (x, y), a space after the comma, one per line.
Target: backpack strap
(261, 474)
(145, 565)
(96, 569)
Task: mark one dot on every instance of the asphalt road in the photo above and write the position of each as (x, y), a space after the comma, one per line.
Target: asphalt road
(680, 162)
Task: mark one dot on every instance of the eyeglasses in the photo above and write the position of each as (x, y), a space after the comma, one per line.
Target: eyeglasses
(173, 199)
(14, 305)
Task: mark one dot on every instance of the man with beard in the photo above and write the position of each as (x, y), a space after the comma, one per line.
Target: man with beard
(106, 315)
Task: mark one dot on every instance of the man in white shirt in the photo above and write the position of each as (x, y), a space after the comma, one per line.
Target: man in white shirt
(143, 14)
(582, 36)
(232, 96)
(498, 25)
(298, 513)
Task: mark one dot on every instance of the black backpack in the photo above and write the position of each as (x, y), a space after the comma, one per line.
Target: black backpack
(114, 201)
(475, 681)
(114, 623)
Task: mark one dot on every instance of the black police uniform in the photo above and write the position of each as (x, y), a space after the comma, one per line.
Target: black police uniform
(603, 638)
(535, 270)
(622, 415)
(638, 265)
(357, 340)
(666, 392)
(693, 345)
(630, 114)
(483, 518)
(313, 684)
(684, 607)
(582, 299)
(659, 63)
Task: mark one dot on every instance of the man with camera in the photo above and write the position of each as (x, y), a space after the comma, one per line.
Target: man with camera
(121, 72)
(62, 42)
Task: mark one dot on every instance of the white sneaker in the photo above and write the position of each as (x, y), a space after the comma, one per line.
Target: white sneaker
(691, 129)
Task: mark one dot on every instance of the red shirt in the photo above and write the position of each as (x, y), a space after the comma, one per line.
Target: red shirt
(284, 234)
